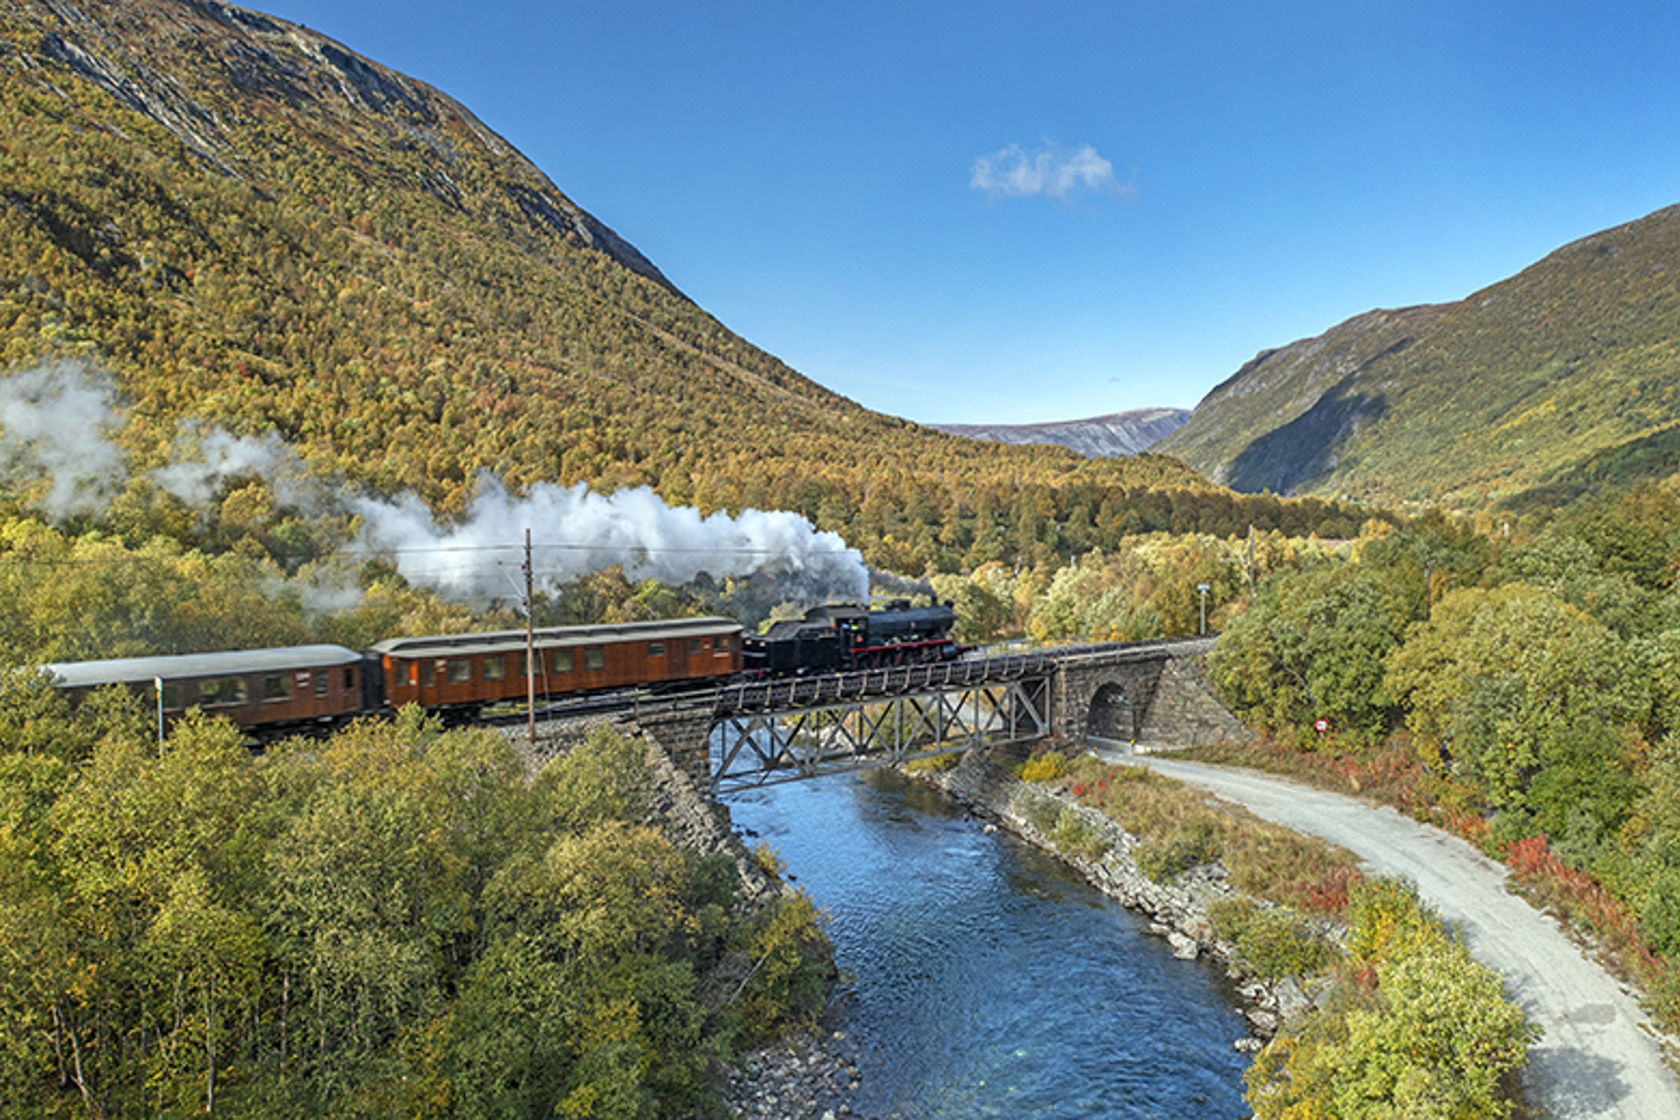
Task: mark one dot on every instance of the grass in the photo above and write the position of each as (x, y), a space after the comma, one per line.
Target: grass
(1273, 942)
(1180, 827)
(1388, 774)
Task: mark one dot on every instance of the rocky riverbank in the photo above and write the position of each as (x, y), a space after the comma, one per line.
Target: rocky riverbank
(1179, 909)
(795, 1079)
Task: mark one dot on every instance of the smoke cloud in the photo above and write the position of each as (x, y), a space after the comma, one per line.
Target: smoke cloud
(223, 457)
(55, 424)
(575, 531)
(54, 427)
(903, 587)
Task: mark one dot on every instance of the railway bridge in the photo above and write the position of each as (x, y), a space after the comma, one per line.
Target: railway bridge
(763, 732)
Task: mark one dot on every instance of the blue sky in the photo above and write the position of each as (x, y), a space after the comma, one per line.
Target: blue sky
(1006, 211)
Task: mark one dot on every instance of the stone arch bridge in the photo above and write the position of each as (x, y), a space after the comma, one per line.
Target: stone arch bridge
(764, 732)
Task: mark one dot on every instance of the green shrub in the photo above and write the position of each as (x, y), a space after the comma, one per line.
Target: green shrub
(1074, 835)
(766, 857)
(1660, 916)
(1273, 942)
(1043, 814)
(1419, 1029)
(1386, 918)
(1045, 766)
(792, 966)
(933, 764)
(1192, 842)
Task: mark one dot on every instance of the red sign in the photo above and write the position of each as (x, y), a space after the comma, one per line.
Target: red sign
(1321, 725)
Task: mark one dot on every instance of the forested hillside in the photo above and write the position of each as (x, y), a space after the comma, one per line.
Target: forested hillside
(251, 225)
(1563, 377)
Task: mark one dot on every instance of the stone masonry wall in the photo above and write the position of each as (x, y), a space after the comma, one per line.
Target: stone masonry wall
(1076, 687)
(686, 739)
(1185, 712)
(1166, 701)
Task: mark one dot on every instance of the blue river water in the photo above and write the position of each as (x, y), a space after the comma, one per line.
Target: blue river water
(984, 978)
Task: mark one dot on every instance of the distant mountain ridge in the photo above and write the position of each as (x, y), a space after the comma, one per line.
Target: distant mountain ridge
(1099, 437)
(1568, 370)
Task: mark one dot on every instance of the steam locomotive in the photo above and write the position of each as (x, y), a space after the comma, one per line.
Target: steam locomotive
(277, 691)
(843, 637)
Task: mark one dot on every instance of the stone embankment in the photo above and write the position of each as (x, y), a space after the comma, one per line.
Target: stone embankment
(1179, 909)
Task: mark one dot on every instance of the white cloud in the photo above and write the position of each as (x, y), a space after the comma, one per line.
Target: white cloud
(1051, 170)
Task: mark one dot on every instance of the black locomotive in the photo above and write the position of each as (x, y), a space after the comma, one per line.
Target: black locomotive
(847, 636)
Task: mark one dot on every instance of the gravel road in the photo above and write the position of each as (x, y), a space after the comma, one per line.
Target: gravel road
(1598, 1056)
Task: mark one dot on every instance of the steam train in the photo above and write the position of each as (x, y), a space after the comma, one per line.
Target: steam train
(277, 691)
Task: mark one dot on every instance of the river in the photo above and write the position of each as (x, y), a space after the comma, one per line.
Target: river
(985, 979)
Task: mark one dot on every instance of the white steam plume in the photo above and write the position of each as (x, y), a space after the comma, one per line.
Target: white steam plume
(222, 457)
(54, 428)
(54, 421)
(575, 531)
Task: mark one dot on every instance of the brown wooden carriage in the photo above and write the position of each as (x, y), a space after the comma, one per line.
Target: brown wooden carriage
(473, 670)
(259, 689)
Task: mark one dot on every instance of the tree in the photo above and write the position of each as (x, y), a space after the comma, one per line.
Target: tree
(1417, 1028)
(1312, 645)
(1502, 683)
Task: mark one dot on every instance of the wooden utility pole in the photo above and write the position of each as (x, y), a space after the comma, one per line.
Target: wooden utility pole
(530, 649)
(1250, 564)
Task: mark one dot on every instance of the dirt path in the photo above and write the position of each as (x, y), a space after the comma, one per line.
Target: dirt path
(1597, 1057)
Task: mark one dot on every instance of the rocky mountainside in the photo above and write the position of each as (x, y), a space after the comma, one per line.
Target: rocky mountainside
(1118, 433)
(115, 46)
(1563, 376)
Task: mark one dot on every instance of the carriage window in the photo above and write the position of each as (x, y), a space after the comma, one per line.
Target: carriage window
(594, 657)
(495, 668)
(460, 670)
(349, 679)
(321, 684)
(561, 660)
(428, 674)
(172, 698)
(276, 688)
(693, 646)
(226, 690)
(656, 649)
(723, 643)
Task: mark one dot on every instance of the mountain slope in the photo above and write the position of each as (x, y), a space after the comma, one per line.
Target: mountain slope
(253, 226)
(1118, 433)
(1521, 384)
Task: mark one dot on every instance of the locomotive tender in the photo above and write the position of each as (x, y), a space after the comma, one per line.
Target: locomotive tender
(275, 691)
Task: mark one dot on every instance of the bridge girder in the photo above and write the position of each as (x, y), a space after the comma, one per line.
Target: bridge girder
(750, 749)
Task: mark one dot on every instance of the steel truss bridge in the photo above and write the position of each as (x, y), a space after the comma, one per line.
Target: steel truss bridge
(852, 720)
(771, 731)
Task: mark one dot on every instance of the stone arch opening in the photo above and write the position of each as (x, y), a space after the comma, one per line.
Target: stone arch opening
(1112, 714)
